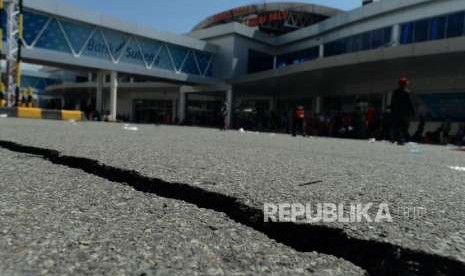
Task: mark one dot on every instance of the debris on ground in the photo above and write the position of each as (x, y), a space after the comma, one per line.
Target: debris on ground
(461, 169)
(130, 128)
(414, 148)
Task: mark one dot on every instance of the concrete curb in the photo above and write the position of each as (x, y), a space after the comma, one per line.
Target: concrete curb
(38, 113)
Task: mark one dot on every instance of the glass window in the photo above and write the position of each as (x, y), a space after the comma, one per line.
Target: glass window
(406, 36)
(455, 24)
(438, 28)
(421, 30)
(378, 39)
(387, 35)
(357, 43)
(259, 61)
(328, 49)
(348, 45)
(340, 47)
(298, 57)
(366, 41)
(331, 49)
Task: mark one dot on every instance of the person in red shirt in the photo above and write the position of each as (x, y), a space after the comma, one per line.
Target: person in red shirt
(299, 121)
(370, 119)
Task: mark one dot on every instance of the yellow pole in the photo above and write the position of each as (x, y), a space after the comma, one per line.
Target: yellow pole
(18, 74)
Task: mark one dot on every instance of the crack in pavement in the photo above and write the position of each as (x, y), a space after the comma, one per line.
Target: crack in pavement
(377, 258)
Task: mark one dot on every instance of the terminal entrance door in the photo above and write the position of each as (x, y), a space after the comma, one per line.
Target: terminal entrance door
(204, 109)
(153, 111)
(204, 113)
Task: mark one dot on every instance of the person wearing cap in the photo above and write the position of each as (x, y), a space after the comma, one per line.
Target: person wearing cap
(402, 111)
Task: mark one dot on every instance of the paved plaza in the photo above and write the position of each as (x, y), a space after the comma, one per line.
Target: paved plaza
(104, 199)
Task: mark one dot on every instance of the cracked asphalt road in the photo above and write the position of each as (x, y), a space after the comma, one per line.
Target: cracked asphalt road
(60, 221)
(259, 168)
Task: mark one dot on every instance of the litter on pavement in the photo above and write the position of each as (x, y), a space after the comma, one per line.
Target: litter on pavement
(414, 148)
(461, 169)
(130, 128)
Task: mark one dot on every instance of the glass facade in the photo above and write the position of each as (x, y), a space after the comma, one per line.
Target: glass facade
(361, 42)
(82, 39)
(440, 27)
(297, 57)
(39, 84)
(445, 105)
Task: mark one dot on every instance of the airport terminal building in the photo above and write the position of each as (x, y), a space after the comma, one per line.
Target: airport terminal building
(262, 60)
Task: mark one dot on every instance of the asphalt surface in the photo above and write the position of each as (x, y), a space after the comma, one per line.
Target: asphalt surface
(264, 168)
(59, 221)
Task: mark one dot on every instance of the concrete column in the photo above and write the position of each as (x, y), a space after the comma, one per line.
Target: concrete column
(182, 106)
(273, 104)
(99, 93)
(322, 51)
(317, 105)
(89, 77)
(383, 103)
(230, 107)
(173, 111)
(113, 95)
(275, 62)
(396, 35)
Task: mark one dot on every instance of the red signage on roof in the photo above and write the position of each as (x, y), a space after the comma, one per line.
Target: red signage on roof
(266, 18)
(234, 13)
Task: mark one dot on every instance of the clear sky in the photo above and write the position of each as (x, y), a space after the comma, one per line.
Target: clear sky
(179, 16)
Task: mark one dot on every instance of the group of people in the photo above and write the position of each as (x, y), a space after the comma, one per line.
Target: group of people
(391, 125)
(24, 100)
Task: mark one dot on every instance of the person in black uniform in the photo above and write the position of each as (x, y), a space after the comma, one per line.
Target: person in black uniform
(402, 111)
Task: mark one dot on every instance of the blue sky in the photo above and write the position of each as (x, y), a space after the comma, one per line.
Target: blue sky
(179, 16)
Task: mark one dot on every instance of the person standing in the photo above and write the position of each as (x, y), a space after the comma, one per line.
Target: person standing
(2, 100)
(370, 121)
(402, 111)
(299, 121)
(29, 98)
(224, 115)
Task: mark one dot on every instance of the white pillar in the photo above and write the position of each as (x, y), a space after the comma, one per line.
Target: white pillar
(383, 103)
(317, 105)
(273, 104)
(275, 62)
(113, 95)
(182, 106)
(99, 93)
(321, 53)
(395, 35)
(229, 103)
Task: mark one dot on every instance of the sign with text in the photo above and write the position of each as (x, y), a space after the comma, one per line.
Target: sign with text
(267, 18)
